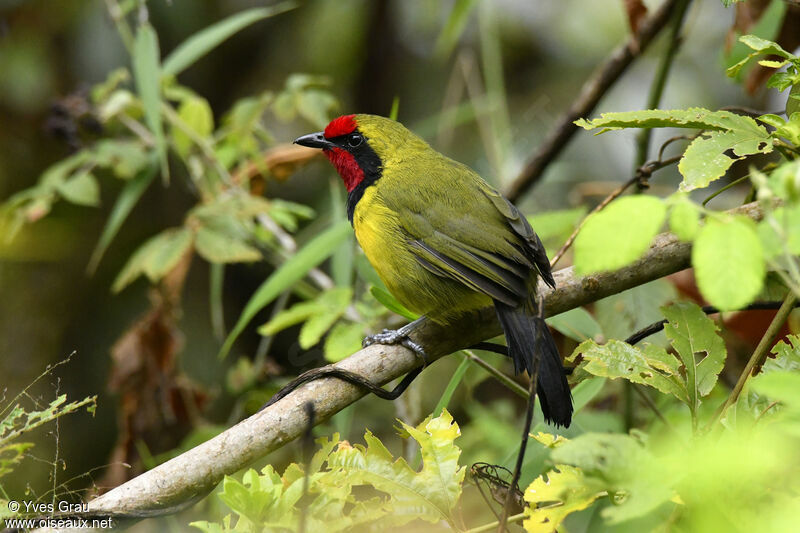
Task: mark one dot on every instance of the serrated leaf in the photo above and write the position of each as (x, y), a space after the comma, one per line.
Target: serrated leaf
(549, 440)
(694, 336)
(608, 239)
(693, 118)
(785, 355)
(616, 359)
(217, 247)
(292, 270)
(728, 262)
(566, 490)
(209, 38)
(705, 160)
(684, 220)
(343, 340)
(432, 493)
(81, 189)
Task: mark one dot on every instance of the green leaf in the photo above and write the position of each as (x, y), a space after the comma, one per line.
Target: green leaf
(783, 386)
(702, 351)
(196, 115)
(693, 118)
(330, 306)
(128, 196)
(125, 158)
(585, 391)
(765, 46)
(217, 247)
(617, 359)
(684, 219)
(609, 240)
(287, 318)
(291, 271)
(576, 324)
(430, 494)
(693, 336)
(343, 340)
(728, 263)
(391, 303)
(785, 355)
(81, 189)
(618, 464)
(793, 102)
(209, 38)
(147, 73)
(705, 160)
(566, 490)
(156, 257)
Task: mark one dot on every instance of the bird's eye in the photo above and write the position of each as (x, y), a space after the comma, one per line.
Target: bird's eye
(354, 140)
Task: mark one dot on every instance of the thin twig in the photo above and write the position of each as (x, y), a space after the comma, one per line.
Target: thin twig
(643, 173)
(499, 376)
(488, 527)
(591, 93)
(759, 353)
(655, 327)
(652, 405)
(526, 429)
(660, 80)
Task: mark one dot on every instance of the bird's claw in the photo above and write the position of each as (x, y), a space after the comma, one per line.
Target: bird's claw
(393, 337)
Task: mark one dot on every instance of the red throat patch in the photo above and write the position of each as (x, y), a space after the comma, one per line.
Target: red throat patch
(346, 166)
(340, 126)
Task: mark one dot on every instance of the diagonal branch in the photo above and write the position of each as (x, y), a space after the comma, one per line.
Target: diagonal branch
(592, 91)
(185, 479)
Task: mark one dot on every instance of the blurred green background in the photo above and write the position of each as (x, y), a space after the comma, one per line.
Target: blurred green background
(523, 63)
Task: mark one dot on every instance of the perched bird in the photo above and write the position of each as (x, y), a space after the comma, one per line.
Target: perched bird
(444, 241)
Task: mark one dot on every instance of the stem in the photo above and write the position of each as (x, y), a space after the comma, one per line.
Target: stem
(123, 29)
(489, 527)
(526, 430)
(760, 352)
(660, 81)
(502, 378)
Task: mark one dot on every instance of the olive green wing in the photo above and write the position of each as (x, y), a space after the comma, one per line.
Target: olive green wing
(533, 247)
(466, 231)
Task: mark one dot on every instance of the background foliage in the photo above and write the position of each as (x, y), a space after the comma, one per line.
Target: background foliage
(155, 212)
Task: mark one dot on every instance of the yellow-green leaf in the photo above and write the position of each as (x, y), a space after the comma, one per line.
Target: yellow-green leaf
(619, 234)
(728, 263)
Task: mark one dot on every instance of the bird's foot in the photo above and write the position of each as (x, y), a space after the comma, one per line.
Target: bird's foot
(396, 336)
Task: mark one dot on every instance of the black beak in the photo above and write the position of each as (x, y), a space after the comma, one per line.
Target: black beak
(314, 140)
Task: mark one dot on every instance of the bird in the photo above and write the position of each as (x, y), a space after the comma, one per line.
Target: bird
(445, 242)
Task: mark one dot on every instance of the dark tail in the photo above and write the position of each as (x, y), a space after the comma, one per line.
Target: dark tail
(527, 336)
